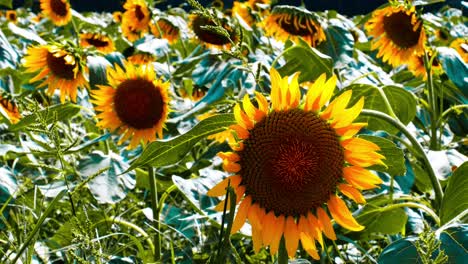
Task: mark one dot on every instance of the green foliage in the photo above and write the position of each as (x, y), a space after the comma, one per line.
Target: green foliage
(455, 200)
(394, 158)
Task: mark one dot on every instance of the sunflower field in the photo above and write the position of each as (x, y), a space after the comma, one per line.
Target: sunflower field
(251, 131)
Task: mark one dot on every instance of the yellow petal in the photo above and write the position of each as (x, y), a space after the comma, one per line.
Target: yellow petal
(342, 215)
(241, 118)
(325, 223)
(327, 91)
(255, 216)
(361, 178)
(291, 236)
(359, 145)
(230, 166)
(363, 159)
(277, 234)
(315, 228)
(257, 239)
(249, 108)
(262, 104)
(294, 91)
(313, 93)
(220, 188)
(308, 244)
(351, 130)
(351, 193)
(338, 105)
(275, 89)
(348, 116)
(241, 132)
(239, 193)
(241, 215)
(268, 227)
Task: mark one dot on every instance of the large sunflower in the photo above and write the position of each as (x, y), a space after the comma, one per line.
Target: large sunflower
(398, 34)
(135, 103)
(9, 110)
(288, 22)
(63, 69)
(210, 38)
(291, 160)
(101, 42)
(166, 29)
(461, 46)
(136, 17)
(57, 10)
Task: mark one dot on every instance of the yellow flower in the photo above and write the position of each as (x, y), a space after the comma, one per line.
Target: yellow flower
(142, 58)
(134, 104)
(243, 10)
(197, 93)
(117, 15)
(100, 42)
(290, 161)
(398, 34)
(11, 16)
(57, 10)
(9, 110)
(165, 29)
(416, 65)
(61, 68)
(461, 46)
(288, 22)
(210, 38)
(136, 19)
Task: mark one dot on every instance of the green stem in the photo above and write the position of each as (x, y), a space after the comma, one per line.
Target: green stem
(282, 252)
(426, 209)
(432, 102)
(448, 111)
(397, 124)
(387, 103)
(156, 210)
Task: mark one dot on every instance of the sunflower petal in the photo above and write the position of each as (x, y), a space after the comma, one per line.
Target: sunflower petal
(351, 193)
(325, 223)
(361, 178)
(291, 236)
(220, 188)
(275, 89)
(241, 215)
(315, 228)
(314, 92)
(308, 244)
(268, 228)
(277, 234)
(342, 215)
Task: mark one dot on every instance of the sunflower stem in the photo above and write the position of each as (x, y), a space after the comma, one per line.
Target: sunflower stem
(397, 124)
(387, 103)
(426, 209)
(282, 252)
(432, 102)
(156, 211)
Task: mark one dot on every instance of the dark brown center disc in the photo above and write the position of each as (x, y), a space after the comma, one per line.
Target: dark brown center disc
(399, 29)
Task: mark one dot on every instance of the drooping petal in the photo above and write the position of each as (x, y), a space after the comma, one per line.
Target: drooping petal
(325, 223)
(342, 215)
(230, 166)
(220, 188)
(361, 178)
(268, 227)
(241, 215)
(277, 234)
(315, 228)
(351, 193)
(308, 244)
(231, 156)
(257, 239)
(291, 236)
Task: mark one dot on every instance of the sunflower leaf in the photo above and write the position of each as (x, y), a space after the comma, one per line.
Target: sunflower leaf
(310, 62)
(455, 199)
(164, 153)
(384, 220)
(394, 158)
(7, 3)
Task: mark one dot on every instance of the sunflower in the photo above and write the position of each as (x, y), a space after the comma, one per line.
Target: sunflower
(136, 17)
(9, 110)
(117, 15)
(461, 46)
(142, 58)
(135, 103)
(63, 68)
(131, 33)
(37, 18)
(11, 16)
(100, 42)
(398, 34)
(416, 65)
(58, 11)
(210, 38)
(197, 93)
(164, 28)
(288, 22)
(243, 11)
(290, 161)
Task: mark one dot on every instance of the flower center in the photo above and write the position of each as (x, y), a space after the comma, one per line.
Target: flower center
(209, 36)
(59, 7)
(12, 16)
(139, 13)
(97, 42)
(59, 67)
(138, 103)
(291, 162)
(399, 29)
(296, 25)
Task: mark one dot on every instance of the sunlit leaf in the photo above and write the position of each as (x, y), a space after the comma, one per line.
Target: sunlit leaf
(63, 112)
(455, 198)
(394, 158)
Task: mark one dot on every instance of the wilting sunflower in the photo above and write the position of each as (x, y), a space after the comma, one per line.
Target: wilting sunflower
(289, 22)
(100, 42)
(117, 15)
(11, 16)
(136, 16)
(62, 68)
(210, 38)
(164, 28)
(416, 65)
(290, 161)
(461, 46)
(57, 10)
(9, 110)
(135, 103)
(398, 34)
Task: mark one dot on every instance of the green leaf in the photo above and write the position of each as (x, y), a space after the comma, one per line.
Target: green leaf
(7, 3)
(454, 242)
(164, 153)
(339, 44)
(394, 157)
(384, 220)
(26, 34)
(455, 67)
(455, 198)
(112, 185)
(63, 111)
(97, 66)
(400, 251)
(401, 101)
(307, 60)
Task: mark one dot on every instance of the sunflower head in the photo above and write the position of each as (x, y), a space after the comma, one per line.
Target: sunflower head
(58, 11)
(134, 104)
(291, 158)
(11, 16)
(9, 109)
(416, 65)
(117, 15)
(136, 16)
(461, 46)
(62, 68)
(197, 93)
(101, 42)
(398, 34)
(166, 29)
(209, 37)
(244, 11)
(141, 58)
(288, 22)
